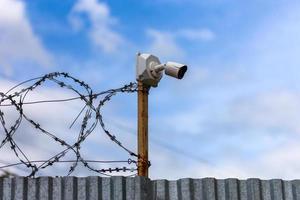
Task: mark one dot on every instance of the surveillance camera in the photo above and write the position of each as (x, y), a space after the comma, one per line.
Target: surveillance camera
(149, 69)
(175, 70)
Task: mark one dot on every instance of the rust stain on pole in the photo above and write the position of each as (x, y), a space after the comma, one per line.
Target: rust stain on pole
(143, 92)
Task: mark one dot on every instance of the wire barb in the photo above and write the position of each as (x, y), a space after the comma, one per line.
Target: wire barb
(91, 119)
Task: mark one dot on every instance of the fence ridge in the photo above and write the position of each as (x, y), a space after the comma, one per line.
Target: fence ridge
(136, 188)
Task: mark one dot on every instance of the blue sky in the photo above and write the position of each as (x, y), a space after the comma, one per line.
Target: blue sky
(235, 114)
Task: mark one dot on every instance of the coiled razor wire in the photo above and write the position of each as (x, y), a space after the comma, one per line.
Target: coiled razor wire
(91, 113)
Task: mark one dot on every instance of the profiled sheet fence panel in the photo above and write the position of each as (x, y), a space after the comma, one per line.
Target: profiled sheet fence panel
(139, 188)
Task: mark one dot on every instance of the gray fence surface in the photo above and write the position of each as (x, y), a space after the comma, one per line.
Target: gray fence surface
(63, 188)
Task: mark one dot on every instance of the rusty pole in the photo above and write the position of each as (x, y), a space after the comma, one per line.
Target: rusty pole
(143, 92)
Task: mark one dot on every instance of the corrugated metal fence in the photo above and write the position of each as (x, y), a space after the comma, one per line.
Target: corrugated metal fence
(117, 188)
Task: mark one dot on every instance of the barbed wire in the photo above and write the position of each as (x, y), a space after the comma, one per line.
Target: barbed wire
(91, 119)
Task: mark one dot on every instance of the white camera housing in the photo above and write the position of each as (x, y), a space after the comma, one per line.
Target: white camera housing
(149, 69)
(145, 64)
(175, 70)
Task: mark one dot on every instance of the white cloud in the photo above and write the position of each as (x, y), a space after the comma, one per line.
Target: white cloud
(165, 43)
(277, 109)
(281, 162)
(261, 129)
(101, 32)
(182, 167)
(18, 42)
(197, 34)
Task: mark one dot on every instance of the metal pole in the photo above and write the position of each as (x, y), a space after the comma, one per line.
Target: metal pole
(143, 92)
